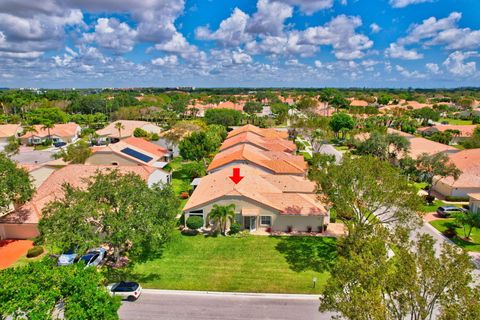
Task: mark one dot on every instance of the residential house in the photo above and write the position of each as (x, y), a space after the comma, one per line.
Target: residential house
(474, 203)
(132, 152)
(128, 127)
(22, 223)
(63, 132)
(7, 131)
(464, 131)
(266, 133)
(358, 103)
(275, 162)
(468, 161)
(263, 201)
(259, 142)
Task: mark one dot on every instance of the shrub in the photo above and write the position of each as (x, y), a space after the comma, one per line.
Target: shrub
(429, 199)
(333, 216)
(309, 229)
(450, 233)
(476, 120)
(289, 229)
(34, 252)
(154, 137)
(456, 199)
(140, 133)
(194, 222)
(269, 230)
(184, 195)
(234, 228)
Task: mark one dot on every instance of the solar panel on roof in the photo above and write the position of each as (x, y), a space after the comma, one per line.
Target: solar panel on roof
(138, 155)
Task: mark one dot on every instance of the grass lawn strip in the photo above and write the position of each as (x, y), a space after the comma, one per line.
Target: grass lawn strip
(473, 245)
(248, 264)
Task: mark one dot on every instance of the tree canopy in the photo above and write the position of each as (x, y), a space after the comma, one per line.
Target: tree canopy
(341, 121)
(15, 184)
(39, 289)
(118, 210)
(224, 117)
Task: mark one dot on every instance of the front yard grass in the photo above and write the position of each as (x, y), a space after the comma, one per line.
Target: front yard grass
(437, 203)
(242, 264)
(455, 121)
(472, 245)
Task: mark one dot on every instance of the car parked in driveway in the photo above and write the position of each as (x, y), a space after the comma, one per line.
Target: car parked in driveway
(93, 257)
(67, 258)
(446, 211)
(127, 290)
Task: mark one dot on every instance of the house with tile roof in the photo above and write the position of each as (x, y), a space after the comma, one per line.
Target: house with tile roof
(266, 133)
(468, 161)
(62, 132)
(22, 223)
(129, 127)
(128, 152)
(268, 144)
(263, 201)
(464, 131)
(7, 131)
(275, 162)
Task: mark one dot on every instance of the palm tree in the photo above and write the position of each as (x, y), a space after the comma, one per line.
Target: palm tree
(119, 126)
(47, 125)
(221, 215)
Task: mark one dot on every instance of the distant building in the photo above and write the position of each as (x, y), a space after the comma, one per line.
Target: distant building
(65, 132)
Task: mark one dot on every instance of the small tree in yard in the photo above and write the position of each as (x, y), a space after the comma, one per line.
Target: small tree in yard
(437, 165)
(120, 211)
(368, 283)
(119, 126)
(78, 152)
(13, 145)
(221, 215)
(15, 185)
(341, 122)
(468, 221)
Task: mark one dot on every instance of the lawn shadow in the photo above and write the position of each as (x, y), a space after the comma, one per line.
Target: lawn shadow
(308, 253)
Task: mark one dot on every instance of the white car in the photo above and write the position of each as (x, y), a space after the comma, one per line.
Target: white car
(93, 257)
(127, 290)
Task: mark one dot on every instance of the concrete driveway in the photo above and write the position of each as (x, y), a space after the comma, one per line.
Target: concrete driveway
(33, 157)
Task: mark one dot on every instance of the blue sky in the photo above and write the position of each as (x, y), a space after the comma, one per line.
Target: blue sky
(246, 43)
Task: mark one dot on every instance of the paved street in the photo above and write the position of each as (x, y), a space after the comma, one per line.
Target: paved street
(157, 304)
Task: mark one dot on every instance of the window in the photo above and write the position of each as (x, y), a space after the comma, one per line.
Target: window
(265, 220)
(238, 218)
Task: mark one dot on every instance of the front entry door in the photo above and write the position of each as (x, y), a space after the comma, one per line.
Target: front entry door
(250, 223)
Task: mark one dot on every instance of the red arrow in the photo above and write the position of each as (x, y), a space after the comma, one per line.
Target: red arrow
(236, 178)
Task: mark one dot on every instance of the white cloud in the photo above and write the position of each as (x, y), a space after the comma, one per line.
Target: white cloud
(375, 28)
(169, 60)
(231, 31)
(241, 58)
(456, 65)
(399, 52)
(404, 3)
(433, 68)
(310, 6)
(318, 64)
(409, 74)
(269, 18)
(340, 33)
(113, 35)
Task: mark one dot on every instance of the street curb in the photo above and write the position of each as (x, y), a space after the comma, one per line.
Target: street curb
(234, 294)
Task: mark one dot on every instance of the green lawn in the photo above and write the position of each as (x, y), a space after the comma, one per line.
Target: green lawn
(341, 148)
(248, 264)
(473, 245)
(455, 121)
(434, 207)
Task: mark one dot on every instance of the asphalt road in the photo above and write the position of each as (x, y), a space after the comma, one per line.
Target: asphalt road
(191, 305)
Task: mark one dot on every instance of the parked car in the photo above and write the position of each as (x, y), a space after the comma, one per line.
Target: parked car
(93, 257)
(59, 144)
(127, 290)
(67, 258)
(446, 211)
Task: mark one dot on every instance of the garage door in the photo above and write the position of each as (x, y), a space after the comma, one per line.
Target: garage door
(18, 231)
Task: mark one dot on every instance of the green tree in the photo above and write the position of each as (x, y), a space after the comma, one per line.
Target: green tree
(119, 126)
(306, 103)
(369, 283)
(43, 115)
(383, 146)
(426, 114)
(13, 145)
(432, 168)
(442, 137)
(48, 125)
(468, 220)
(224, 117)
(15, 185)
(140, 133)
(197, 146)
(194, 169)
(365, 191)
(78, 152)
(252, 107)
(221, 215)
(118, 210)
(341, 121)
(35, 291)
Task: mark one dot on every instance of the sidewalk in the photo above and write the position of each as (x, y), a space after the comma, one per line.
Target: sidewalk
(233, 294)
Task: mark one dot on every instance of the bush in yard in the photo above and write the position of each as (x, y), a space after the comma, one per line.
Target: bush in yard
(450, 233)
(154, 137)
(429, 199)
(457, 199)
(194, 222)
(234, 228)
(34, 252)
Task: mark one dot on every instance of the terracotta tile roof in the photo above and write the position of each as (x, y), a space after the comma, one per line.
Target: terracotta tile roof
(261, 187)
(260, 142)
(358, 103)
(468, 161)
(465, 130)
(8, 130)
(275, 161)
(129, 127)
(59, 130)
(51, 188)
(138, 144)
(474, 196)
(267, 133)
(422, 145)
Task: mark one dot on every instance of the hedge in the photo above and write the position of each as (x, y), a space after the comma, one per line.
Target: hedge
(194, 222)
(457, 199)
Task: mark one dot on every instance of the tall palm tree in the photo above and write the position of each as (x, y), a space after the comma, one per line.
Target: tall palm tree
(47, 125)
(119, 126)
(221, 215)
